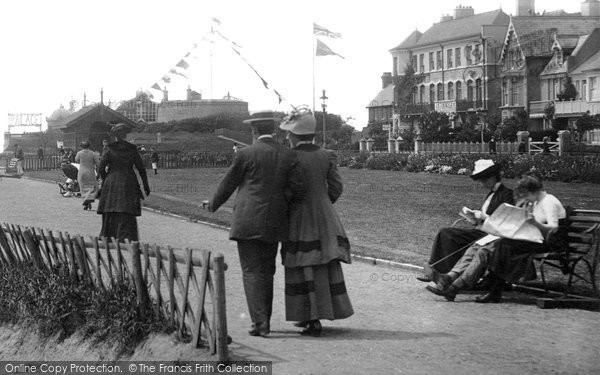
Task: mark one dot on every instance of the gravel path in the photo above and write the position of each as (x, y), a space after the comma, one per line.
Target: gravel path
(398, 326)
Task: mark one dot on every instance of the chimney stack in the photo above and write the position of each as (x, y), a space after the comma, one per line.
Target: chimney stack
(463, 11)
(525, 8)
(446, 17)
(386, 79)
(590, 8)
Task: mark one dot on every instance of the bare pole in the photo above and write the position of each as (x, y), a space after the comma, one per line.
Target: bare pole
(313, 72)
(212, 46)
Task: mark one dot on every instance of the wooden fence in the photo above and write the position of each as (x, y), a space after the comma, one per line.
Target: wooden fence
(469, 147)
(188, 289)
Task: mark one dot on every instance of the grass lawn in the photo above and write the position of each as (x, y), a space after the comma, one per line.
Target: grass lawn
(387, 214)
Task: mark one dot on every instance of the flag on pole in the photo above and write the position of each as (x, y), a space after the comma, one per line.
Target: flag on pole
(324, 50)
(155, 87)
(174, 71)
(320, 30)
(166, 79)
(183, 64)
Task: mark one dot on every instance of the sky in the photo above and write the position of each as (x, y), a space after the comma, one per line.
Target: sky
(54, 51)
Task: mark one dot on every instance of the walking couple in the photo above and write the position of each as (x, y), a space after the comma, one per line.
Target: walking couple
(287, 196)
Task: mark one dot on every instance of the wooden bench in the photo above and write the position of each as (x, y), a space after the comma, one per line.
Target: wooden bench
(575, 243)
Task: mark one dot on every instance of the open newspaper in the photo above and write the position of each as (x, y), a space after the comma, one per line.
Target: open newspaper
(509, 221)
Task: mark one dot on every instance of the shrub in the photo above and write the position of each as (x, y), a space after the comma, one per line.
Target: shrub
(56, 304)
(416, 163)
(358, 161)
(390, 162)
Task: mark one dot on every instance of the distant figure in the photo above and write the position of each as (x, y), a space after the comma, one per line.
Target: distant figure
(40, 153)
(19, 156)
(522, 148)
(492, 145)
(71, 155)
(546, 146)
(86, 177)
(235, 147)
(104, 146)
(154, 159)
(61, 151)
(142, 149)
(120, 200)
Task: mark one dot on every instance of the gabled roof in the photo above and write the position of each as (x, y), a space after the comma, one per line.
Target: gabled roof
(586, 52)
(564, 25)
(455, 29)
(86, 111)
(384, 98)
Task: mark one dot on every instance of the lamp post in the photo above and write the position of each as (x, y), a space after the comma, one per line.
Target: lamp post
(324, 106)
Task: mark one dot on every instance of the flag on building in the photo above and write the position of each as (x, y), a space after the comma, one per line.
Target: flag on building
(320, 30)
(183, 64)
(324, 50)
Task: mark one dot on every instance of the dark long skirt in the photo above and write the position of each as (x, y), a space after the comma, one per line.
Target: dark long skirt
(316, 292)
(512, 260)
(449, 241)
(119, 225)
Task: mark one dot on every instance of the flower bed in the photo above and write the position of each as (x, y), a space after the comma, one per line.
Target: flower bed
(555, 168)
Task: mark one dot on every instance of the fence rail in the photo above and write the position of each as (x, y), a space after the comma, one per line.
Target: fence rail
(188, 289)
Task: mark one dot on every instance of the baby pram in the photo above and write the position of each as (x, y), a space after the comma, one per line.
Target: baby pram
(70, 187)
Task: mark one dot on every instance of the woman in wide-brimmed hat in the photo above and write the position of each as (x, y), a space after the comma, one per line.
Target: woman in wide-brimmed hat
(314, 281)
(86, 176)
(121, 194)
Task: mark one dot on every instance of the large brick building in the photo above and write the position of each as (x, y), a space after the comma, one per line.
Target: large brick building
(456, 62)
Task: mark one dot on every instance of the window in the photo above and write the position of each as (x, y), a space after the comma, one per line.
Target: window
(440, 63)
(593, 88)
(421, 94)
(584, 90)
(422, 63)
(477, 54)
(450, 91)
(449, 58)
(457, 55)
(469, 90)
(415, 63)
(440, 91)
(578, 88)
(415, 93)
(431, 93)
(431, 62)
(557, 83)
(468, 55)
(514, 92)
(395, 66)
(458, 90)
(478, 92)
(505, 93)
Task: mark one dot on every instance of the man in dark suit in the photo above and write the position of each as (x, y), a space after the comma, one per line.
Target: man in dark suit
(267, 177)
(451, 243)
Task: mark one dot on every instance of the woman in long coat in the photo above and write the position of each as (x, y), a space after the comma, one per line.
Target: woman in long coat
(120, 199)
(314, 281)
(86, 177)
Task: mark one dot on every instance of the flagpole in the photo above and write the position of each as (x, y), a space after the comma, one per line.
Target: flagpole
(212, 46)
(313, 71)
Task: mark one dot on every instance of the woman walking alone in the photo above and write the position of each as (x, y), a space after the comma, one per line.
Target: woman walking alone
(120, 200)
(314, 281)
(86, 177)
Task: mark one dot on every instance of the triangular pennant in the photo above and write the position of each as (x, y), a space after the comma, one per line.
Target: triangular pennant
(183, 64)
(324, 50)
(155, 86)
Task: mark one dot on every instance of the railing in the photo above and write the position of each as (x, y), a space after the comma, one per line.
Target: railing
(417, 109)
(571, 107)
(197, 307)
(450, 106)
(469, 147)
(194, 160)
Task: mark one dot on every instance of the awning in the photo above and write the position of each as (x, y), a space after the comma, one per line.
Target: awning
(537, 115)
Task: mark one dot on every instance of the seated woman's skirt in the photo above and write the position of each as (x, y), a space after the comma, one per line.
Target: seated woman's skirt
(512, 260)
(316, 292)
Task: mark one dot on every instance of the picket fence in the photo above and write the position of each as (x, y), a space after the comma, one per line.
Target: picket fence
(198, 310)
(469, 147)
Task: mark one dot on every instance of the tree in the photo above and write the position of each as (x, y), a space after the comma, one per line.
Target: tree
(586, 123)
(434, 126)
(568, 91)
(404, 86)
(507, 131)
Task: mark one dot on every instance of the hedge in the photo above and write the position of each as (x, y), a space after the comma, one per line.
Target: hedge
(550, 167)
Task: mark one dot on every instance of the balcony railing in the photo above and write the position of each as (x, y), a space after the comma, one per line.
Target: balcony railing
(571, 107)
(449, 106)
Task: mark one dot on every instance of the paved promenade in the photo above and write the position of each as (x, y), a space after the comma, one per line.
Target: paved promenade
(398, 326)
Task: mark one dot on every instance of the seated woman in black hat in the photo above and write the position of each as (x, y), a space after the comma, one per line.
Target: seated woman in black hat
(451, 243)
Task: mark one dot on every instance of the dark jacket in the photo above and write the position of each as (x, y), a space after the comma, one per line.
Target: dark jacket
(267, 177)
(120, 187)
(502, 195)
(154, 157)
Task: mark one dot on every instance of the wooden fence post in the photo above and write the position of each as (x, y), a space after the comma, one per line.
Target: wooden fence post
(140, 285)
(220, 308)
(8, 251)
(33, 249)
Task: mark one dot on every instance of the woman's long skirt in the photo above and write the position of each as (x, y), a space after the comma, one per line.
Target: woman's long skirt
(119, 225)
(316, 292)
(512, 260)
